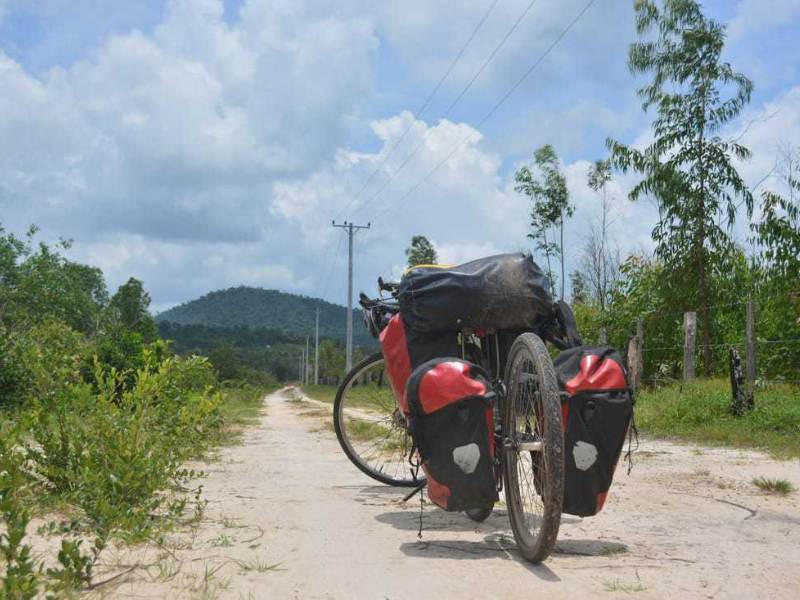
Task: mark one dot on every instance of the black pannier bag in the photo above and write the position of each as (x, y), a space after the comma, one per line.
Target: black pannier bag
(404, 350)
(507, 291)
(450, 403)
(597, 408)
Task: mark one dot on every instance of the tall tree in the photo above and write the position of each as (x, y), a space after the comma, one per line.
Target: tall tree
(579, 292)
(778, 231)
(546, 186)
(597, 252)
(131, 304)
(421, 252)
(688, 168)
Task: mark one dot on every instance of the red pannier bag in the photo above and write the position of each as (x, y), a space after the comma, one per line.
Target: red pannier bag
(404, 350)
(450, 403)
(597, 409)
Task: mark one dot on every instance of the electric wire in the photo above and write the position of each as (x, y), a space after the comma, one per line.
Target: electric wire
(453, 104)
(422, 108)
(494, 108)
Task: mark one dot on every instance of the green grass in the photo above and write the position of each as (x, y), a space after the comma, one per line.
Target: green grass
(781, 487)
(323, 393)
(367, 397)
(242, 406)
(699, 412)
(360, 396)
(365, 431)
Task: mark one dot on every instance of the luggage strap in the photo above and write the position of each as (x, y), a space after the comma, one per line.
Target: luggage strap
(633, 433)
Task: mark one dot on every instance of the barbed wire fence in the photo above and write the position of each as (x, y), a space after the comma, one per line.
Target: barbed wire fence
(666, 347)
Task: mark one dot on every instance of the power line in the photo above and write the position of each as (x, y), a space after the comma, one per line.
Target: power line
(497, 105)
(452, 104)
(331, 264)
(753, 189)
(419, 112)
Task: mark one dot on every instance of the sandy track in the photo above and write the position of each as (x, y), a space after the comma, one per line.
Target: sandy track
(289, 517)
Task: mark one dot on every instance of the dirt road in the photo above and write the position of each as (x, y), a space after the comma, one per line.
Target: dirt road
(289, 517)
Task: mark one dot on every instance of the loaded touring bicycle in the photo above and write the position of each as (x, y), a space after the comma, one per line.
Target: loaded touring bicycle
(464, 398)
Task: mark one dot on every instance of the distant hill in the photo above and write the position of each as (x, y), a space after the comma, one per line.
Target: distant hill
(257, 308)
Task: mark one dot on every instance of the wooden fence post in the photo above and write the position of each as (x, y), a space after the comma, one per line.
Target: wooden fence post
(640, 340)
(750, 349)
(634, 362)
(690, 333)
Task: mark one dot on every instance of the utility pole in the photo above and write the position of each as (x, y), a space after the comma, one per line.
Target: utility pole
(351, 231)
(300, 370)
(316, 350)
(307, 362)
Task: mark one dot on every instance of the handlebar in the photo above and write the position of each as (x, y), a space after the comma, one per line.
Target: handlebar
(390, 287)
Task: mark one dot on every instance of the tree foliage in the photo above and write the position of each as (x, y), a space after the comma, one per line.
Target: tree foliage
(545, 184)
(688, 168)
(421, 252)
(257, 309)
(601, 266)
(131, 305)
(96, 416)
(778, 231)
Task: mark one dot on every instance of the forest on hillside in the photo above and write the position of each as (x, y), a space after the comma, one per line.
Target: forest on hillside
(239, 352)
(263, 309)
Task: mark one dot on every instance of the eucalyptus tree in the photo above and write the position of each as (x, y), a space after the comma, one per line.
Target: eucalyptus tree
(778, 230)
(546, 186)
(688, 168)
(598, 258)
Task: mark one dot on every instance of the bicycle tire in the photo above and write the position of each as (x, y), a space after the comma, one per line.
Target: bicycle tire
(529, 363)
(340, 426)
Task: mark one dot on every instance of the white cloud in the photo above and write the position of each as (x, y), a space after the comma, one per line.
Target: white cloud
(178, 136)
(207, 150)
(754, 16)
(467, 208)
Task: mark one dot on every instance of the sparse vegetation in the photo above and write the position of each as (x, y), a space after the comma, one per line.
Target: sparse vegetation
(258, 566)
(698, 411)
(616, 585)
(781, 487)
(97, 418)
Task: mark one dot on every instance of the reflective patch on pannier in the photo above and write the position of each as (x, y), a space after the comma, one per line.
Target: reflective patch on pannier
(597, 410)
(467, 457)
(450, 404)
(585, 455)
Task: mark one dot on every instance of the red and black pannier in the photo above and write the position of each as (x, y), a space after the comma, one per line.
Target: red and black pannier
(450, 408)
(597, 407)
(405, 349)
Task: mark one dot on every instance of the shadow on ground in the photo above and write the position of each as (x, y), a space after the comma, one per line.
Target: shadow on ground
(439, 520)
(493, 546)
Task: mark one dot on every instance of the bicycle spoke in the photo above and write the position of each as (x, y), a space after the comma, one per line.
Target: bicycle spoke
(372, 429)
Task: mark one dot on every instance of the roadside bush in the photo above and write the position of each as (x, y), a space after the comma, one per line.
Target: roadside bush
(15, 378)
(39, 360)
(108, 450)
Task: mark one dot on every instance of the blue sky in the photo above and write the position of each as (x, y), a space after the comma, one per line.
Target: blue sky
(198, 144)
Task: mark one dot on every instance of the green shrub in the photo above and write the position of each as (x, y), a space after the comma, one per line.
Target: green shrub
(21, 577)
(108, 450)
(38, 361)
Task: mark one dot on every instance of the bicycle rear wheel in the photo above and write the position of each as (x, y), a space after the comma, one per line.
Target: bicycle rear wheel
(371, 429)
(533, 445)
